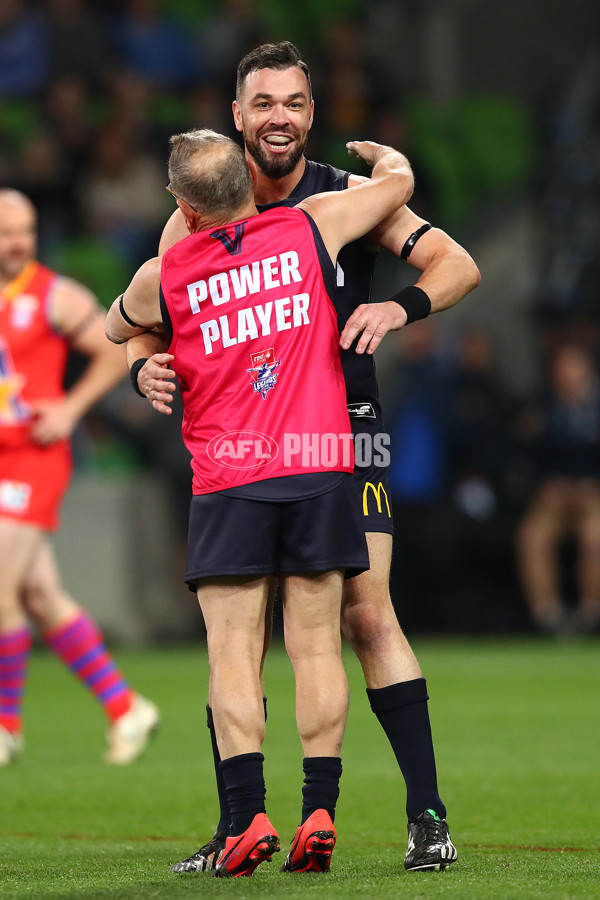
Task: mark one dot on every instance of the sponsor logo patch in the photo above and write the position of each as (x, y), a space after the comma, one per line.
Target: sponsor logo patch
(361, 411)
(378, 492)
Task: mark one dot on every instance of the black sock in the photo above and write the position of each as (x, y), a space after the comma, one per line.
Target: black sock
(403, 714)
(244, 787)
(224, 814)
(321, 784)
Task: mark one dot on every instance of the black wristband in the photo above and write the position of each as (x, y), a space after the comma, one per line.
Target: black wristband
(133, 374)
(412, 240)
(414, 301)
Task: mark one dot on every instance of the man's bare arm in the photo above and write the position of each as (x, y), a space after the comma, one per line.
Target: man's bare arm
(75, 313)
(154, 375)
(138, 309)
(153, 378)
(448, 274)
(344, 216)
(143, 346)
(448, 271)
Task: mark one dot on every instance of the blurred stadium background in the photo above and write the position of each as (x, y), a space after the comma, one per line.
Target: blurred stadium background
(496, 105)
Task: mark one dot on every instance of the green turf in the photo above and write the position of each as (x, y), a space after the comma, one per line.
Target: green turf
(517, 735)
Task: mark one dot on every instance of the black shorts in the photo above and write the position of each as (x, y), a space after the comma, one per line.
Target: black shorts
(371, 484)
(233, 536)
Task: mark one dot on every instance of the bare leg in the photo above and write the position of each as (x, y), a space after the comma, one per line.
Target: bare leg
(370, 624)
(75, 639)
(313, 643)
(311, 618)
(268, 634)
(43, 596)
(538, 537)
(19, 544)
(234, 613)
(207, 856)
(589, 557)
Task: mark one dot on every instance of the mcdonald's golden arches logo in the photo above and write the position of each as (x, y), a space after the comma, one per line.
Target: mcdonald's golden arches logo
(377, 492)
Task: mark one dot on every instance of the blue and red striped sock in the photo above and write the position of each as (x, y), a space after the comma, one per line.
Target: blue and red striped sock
(15, 650)
(80, 645)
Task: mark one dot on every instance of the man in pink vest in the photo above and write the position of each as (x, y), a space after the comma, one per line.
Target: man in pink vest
(245, 301)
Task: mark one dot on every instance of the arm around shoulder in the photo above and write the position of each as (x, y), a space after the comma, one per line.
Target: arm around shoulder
(138, 309)
(344, 216)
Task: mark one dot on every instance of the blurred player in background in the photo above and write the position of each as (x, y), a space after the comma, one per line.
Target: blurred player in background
(564, 438)
(274, 111)
(41, 316)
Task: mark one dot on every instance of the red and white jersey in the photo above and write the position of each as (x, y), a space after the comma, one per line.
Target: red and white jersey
(256, 348)
(33, 355)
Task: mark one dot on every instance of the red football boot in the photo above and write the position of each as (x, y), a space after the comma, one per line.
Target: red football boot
(313, 845)
(244, 852)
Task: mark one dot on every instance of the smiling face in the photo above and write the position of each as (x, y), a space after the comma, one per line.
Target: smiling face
(274, 111)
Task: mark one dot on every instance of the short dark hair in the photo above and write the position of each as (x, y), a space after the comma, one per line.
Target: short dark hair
(209, 171)
(280, 56)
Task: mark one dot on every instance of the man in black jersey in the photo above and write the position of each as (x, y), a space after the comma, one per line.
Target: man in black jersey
(274, 109)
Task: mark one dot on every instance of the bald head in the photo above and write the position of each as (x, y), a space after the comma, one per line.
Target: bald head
(11, 196)
(209, 172)
(18, 221)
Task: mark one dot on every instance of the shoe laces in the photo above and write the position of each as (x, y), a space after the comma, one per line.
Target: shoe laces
(432, 829)
(215, 845)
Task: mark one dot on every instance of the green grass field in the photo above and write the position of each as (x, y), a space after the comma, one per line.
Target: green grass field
(517, 733)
